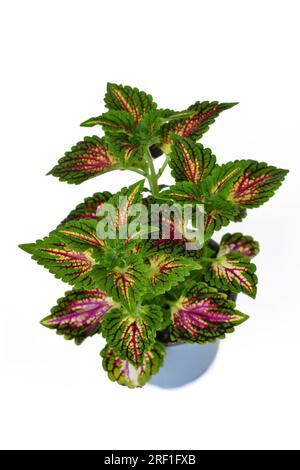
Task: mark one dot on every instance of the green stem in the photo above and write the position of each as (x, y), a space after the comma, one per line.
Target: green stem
(136, 170)
(164, 166)
(152, 176)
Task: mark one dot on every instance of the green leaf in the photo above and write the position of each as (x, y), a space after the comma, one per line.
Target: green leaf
(256, 185)
(245, 183)
(88, 208)
(203, 314)
(87, 159)
(133, 101)
(232, 272)
(28, 247)
(238, 243)
(131, 334)
(190, 161)
(79, 314)
(123, 201)
(124, 373)
(202, 115)
(127, 149)
(130, 144)
(183, 192)
(66, 264)
(125, 281)
(218, 213)
(113, 121)
(168, 270)
(79, 235)
(223, 177)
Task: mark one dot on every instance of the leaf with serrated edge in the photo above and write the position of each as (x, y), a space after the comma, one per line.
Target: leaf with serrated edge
(232, 272)
(125, 98)
(190, 161)
(167, 270)
(87, 159)
(79, 314)
(113, 121)
(256, 185)
(66, 264)
(131, 334)
(88, 208)
(203, 314)
(238, 243)
(79, 235)
(123, 200)
(124, 373)
(218, 213)
(125, 281)
(196, 124)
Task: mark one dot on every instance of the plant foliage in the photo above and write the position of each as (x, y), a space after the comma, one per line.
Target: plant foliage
(140, 292)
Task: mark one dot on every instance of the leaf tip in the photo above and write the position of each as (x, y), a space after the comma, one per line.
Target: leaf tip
(27, 247)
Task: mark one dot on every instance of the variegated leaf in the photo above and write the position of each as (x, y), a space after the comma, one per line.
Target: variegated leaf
(125, 281)
(194, 126)
(218, 213)
(113, 121)
(88, 208)
(87, 159)
(124, 373)
(131, 334)
(238, 243)
(125, 98)
(223, 177)
(79, 235)
(234, 273)
(127, 149)
(67, 264)
(123, 201)
(203, 314)
(190, 161)
(256, 184)
(168, 270)
(130, 143)
(79, 314)
(183, 192)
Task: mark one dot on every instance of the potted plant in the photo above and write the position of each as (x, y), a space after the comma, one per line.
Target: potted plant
(145, 285)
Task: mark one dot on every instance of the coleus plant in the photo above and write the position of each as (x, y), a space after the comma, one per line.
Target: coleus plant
(143, 293)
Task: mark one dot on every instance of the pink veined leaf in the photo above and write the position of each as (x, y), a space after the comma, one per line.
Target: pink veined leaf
(132, 334)
(67, 264)
(124, 373)
(125, 98)
(167, 270)
(190, 161)
(232, 272)
(238, 243)
(80, 235)
(125, 282)
(79, 314)
(203, 314)
(122, 202)
(88, 208)
(256, 184)
(87, 159)
(196, 124)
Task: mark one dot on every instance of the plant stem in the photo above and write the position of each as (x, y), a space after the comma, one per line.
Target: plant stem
(164, 166)
(136, 170)
(152, 176)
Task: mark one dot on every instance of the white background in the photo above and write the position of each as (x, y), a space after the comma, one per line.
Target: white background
(55, 61)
